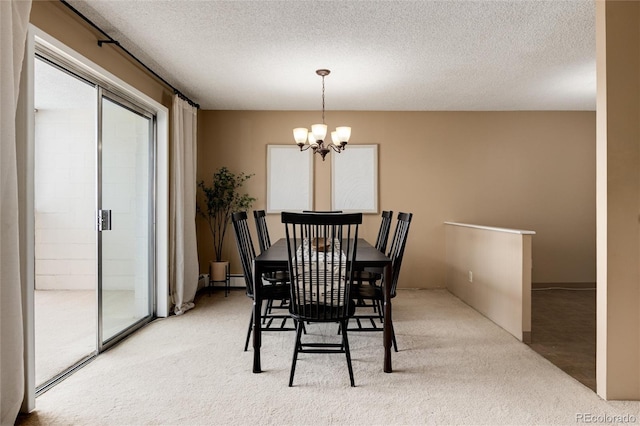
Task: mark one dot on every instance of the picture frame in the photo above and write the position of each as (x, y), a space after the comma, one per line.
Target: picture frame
(289, 179)
(354, 179)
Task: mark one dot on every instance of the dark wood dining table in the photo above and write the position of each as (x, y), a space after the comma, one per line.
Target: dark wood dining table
(275, 258)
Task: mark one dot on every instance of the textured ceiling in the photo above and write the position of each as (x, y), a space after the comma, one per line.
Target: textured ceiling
(383, 55)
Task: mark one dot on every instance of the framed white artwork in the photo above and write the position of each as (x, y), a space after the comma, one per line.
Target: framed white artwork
(289, 179)
(354, 179)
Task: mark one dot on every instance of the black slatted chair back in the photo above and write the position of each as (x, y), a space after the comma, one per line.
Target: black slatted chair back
(396, 251)
(383, 233)
(261, 228)
(245, 248)
(321, 251)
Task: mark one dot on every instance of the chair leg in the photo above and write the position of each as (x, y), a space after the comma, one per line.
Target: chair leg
(295, 351)
(246, 343)
(345, 344)
(299, 324)
(393, 338)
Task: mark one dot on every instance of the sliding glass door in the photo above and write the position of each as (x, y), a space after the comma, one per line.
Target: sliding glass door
(65, 118)
(125, 269)
(94, 210)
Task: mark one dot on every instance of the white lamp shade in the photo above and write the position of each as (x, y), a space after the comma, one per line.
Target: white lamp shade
(319, 131)
(344, 133)
(300, 135)
(312, 140)
(334, 138)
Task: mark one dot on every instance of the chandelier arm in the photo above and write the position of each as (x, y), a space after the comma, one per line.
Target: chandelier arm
(335, 148)
(304, 147)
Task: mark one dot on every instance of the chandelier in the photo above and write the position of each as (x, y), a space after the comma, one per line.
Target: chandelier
(316, 137)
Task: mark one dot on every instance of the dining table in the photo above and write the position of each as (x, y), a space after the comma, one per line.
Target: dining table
(276, 258)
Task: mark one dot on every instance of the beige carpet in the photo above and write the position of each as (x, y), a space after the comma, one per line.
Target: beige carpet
(66, 326)
(65, 330)
(454, 367)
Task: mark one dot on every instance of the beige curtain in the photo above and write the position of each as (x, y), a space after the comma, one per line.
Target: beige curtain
(14, 20)
(183, 262)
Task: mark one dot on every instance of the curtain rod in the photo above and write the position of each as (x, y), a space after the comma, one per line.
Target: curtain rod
(117, 43)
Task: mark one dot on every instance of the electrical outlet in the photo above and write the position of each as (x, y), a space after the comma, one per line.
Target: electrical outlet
(470, 276)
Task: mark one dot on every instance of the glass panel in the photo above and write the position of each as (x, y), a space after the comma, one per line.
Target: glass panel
(125, 192)
(64, 210)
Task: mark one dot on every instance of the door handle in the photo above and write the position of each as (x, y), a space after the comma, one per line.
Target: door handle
(104, 220)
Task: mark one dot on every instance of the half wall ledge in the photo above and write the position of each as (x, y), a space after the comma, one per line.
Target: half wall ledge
(493, 228)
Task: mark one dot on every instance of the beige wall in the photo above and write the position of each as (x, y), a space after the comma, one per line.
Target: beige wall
(618, 189)
(525, 170)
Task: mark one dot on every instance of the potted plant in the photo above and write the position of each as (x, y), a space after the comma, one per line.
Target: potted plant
(220, 200)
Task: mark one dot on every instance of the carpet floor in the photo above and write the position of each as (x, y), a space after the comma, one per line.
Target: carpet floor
(454, 367)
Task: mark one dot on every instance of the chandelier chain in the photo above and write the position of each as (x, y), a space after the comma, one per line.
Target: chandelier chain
(323, 100)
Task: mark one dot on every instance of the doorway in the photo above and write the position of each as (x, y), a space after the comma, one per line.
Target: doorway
(94, 212)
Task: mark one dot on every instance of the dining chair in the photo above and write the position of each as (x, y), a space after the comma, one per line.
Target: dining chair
(323, 211)
(381, 245)
(321, 250)
(383, 231)
(279, 291)
(375, 293)
(274, 277)
(373, 275)
(261, 227)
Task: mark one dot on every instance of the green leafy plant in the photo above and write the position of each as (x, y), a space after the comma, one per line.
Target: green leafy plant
(220, 201)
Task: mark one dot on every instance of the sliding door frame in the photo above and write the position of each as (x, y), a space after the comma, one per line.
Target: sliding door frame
(38, 40)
